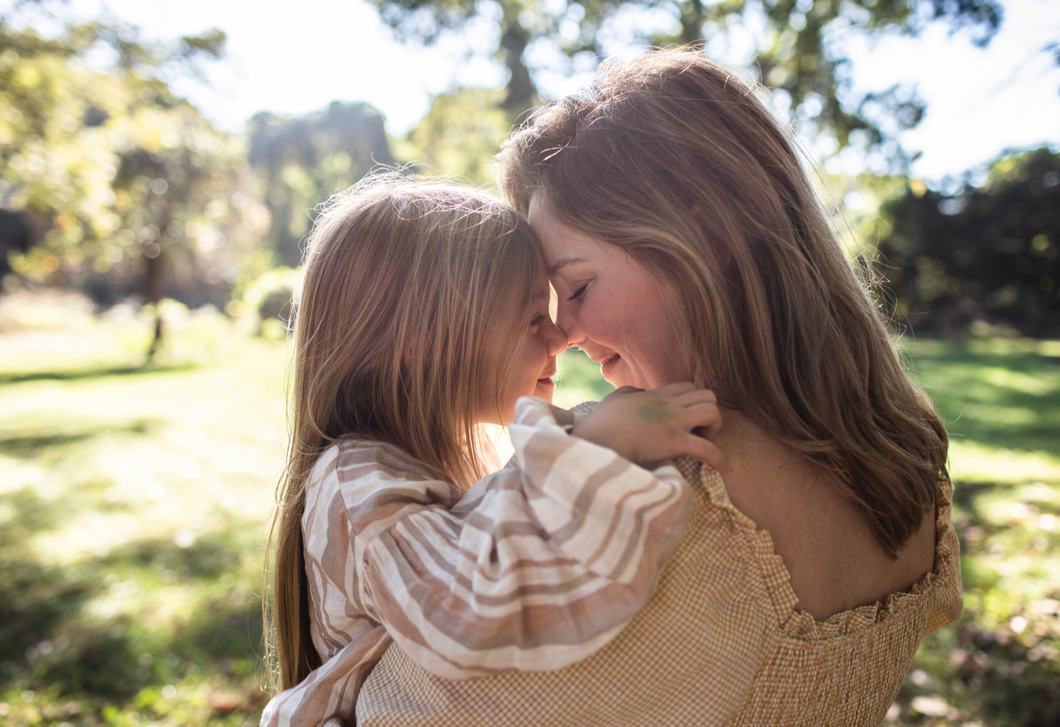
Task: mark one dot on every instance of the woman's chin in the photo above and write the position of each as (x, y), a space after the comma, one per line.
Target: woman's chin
(611, 369)
(616, 373)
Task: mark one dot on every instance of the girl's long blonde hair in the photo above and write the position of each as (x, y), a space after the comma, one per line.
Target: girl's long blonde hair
(410, 290)
(675, 160)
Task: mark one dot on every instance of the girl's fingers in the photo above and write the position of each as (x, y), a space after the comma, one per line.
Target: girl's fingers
(705, 450)
(696, 396)
(681, 387)
(705, 416)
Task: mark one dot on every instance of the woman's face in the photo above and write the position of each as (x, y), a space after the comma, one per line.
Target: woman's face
(612, 307)
(538, 342)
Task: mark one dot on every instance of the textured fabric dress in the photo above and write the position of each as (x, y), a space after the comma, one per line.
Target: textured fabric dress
(535, 567)
(720, 643)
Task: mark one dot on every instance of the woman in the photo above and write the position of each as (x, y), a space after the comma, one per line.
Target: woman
(685, 242)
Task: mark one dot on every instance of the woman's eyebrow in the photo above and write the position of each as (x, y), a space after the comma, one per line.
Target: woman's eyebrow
(562, 263)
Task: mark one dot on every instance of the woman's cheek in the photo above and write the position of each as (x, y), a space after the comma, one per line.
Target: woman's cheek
(584, 315)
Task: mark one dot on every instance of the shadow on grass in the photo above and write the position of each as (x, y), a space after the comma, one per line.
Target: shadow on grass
(207, 558)
(1003, 675)
(226, 629)
(29, 447)
(50, 638)
(115, 659)
(991, 676)
(93, 373)
(36, 598)
(966, 495)
(1008, 399)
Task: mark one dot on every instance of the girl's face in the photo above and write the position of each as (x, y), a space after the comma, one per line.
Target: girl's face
(536, 346)
(612, 307)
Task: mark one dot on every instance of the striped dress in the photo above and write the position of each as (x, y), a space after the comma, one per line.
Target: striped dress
(536, 567)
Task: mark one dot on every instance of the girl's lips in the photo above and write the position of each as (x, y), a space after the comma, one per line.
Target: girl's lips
(607, 364)
(545, 389)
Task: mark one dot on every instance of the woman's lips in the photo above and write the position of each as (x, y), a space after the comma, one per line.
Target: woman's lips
(608, 363)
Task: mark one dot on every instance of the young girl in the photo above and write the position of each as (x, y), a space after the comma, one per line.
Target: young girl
(424, 313)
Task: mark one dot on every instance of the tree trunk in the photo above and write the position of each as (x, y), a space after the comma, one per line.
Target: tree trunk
(692, 21)
(522, 94)
(153, 288)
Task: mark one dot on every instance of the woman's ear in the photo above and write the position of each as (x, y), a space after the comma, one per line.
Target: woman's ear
(718, 242)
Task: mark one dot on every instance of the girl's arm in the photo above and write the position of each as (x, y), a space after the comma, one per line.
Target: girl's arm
(534, 568)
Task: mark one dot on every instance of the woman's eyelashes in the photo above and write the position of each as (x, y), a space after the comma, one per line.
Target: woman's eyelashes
(579, 290)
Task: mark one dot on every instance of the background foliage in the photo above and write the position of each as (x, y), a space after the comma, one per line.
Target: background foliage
(794, 50)
(302, 161)
(991, 253)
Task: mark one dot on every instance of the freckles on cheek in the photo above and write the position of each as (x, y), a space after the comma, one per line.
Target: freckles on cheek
(594, 317)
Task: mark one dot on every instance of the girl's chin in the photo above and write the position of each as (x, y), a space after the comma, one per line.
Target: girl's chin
(545, 389)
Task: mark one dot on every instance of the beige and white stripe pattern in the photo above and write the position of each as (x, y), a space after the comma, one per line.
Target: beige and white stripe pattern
(534, 568)
(720, 643)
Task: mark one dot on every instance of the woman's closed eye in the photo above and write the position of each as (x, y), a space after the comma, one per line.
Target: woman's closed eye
(579, 291)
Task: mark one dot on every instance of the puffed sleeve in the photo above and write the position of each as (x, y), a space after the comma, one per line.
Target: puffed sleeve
(534, 568)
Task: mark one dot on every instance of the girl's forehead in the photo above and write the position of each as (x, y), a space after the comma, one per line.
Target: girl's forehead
(531, 290)
(524, 287)
(539, 285)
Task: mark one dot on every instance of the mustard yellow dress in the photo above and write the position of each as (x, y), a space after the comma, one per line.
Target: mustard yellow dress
(720, 643)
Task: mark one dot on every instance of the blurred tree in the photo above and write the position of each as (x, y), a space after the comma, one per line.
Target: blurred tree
(16, 236)
(303, 160)
(990, 254)
(173, 196)
(108, 169)
(460, 134)
(793, 49)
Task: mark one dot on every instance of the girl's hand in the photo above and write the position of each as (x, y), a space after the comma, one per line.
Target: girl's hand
(648, 427)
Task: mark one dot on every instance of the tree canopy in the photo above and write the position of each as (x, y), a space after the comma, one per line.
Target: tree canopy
(301, 161)
(793, 49)
(111, 174)
(990, 254)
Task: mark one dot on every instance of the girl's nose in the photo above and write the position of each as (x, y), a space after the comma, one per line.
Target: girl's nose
(556, 339)
(566, 324)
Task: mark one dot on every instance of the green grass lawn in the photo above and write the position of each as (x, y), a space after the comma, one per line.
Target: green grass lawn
(134, 503)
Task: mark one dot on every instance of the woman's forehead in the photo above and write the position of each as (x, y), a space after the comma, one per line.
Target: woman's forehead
(563, 245)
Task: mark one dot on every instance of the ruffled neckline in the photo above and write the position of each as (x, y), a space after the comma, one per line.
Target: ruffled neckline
(800, 624)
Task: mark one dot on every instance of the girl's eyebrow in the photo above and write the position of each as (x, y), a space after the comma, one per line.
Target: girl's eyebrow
(562, 263)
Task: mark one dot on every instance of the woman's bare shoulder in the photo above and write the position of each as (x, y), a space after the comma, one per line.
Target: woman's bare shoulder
(832, 557)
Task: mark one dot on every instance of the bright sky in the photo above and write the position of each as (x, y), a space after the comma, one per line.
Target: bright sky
(295, 62)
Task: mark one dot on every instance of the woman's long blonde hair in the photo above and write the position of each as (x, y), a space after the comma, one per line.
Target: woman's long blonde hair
(674, 159)
(410, 289)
